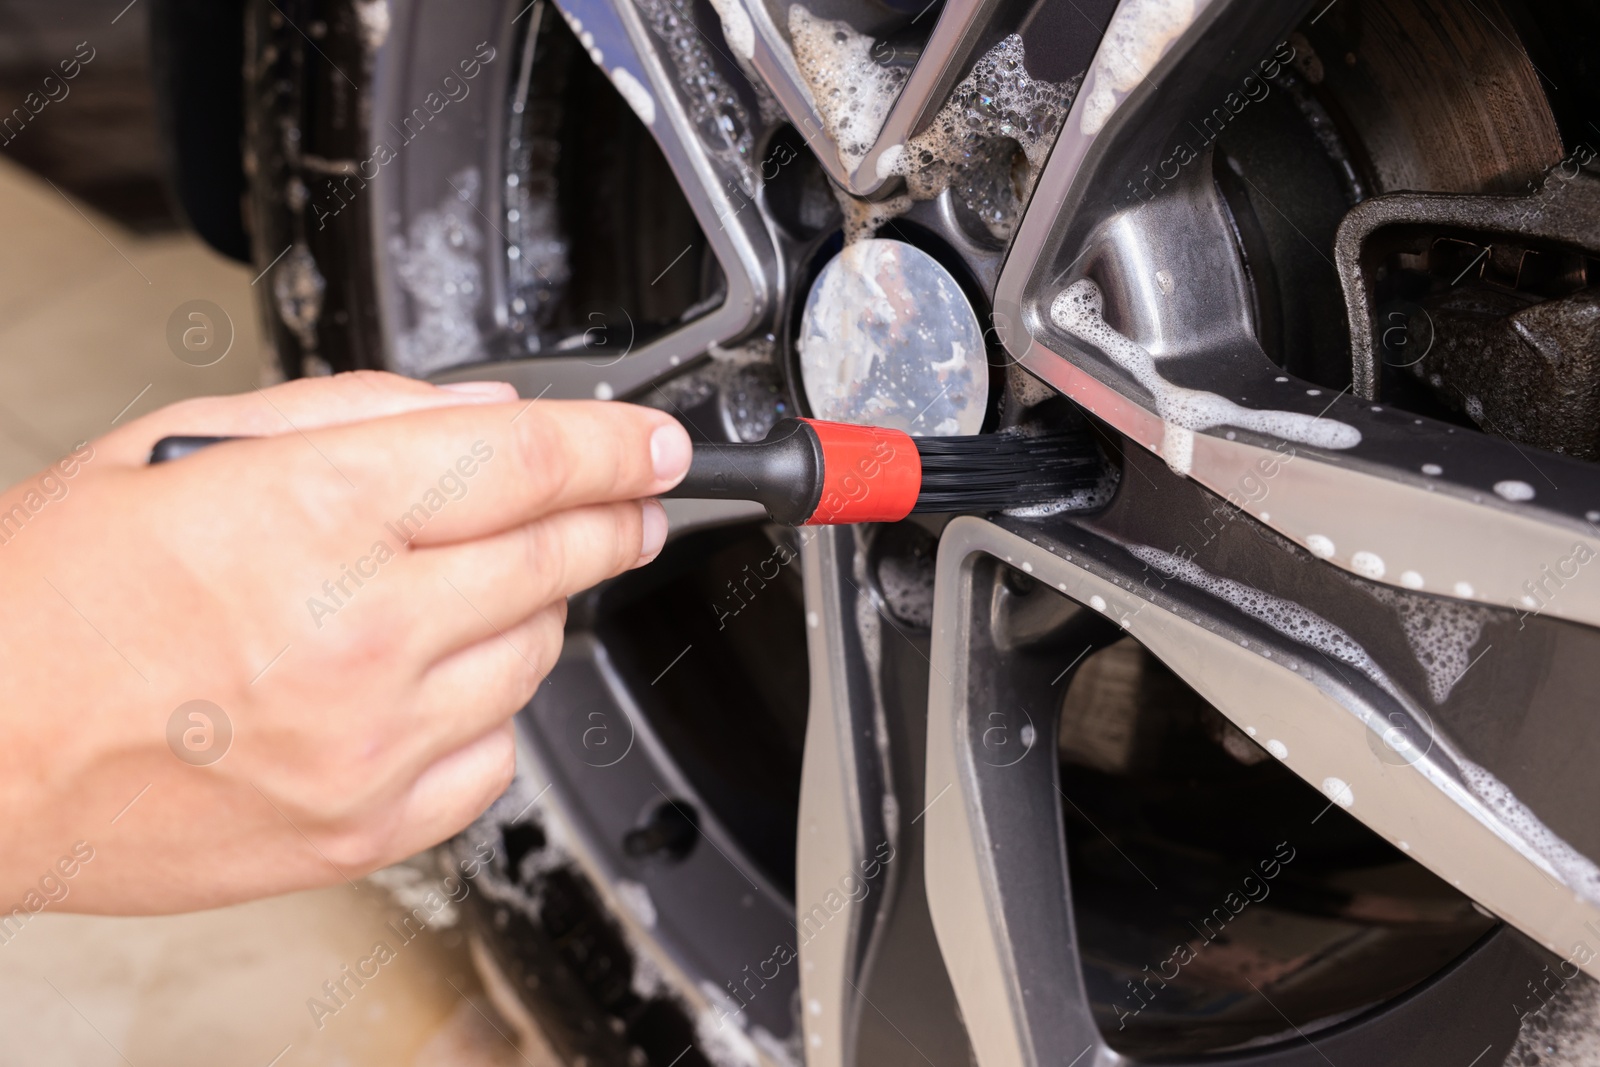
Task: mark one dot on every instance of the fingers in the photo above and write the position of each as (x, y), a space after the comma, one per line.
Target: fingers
(478, 687)
(294, 407)
(493, 583)
(454, 474)
(454, 791)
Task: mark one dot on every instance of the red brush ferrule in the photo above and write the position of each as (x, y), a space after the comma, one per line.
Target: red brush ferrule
(869, 474)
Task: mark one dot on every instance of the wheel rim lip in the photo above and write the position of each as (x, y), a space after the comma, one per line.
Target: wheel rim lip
(704, 911)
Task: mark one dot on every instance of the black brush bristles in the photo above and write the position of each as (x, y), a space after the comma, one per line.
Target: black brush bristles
(1009, 469)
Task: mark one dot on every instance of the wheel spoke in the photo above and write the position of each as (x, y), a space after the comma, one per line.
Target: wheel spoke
(771, 60)
(955, 38)
(872, 984)
(987, 886)
(1403, 500)
(650, 71)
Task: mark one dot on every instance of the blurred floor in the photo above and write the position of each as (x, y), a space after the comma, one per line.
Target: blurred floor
(84, 305)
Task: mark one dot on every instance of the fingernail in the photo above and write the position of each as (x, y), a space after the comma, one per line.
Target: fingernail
(655, 530)
(670, 452)
(482, 392)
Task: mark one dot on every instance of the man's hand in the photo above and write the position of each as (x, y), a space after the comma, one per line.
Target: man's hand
(368, 589)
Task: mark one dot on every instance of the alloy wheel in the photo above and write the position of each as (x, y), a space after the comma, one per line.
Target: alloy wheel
(1270, 750)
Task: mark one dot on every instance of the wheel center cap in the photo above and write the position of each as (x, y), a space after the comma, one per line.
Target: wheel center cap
(889, 339)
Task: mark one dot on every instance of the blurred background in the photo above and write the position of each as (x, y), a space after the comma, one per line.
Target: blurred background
(94, 262)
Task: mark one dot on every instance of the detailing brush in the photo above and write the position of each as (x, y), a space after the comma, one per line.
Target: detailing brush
(812, 473)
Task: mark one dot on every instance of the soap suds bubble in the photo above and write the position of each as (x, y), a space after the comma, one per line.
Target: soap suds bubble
(736, 26)
(437, 264)
(719, 118)
(1320, 546)
(1277, 748)
(636, 898)
(1078, 310)
(1514, 491)
(1134, 42)
(853, 92)
(637, 96)
(863, 217)
(1338, 791)
(1564, 1031)
(1575, 870)
(1367, 564)
(1091, 498)
(1441, 633)
(1285, 616)
(971, 146)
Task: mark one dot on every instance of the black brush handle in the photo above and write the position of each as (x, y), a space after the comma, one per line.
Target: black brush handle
(783, 472)
(171, 448)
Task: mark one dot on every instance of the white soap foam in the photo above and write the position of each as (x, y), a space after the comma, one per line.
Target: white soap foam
(1285, 616)
(1367, 564)
(1441, 633)
(1576, 871)
(1079, 311)
(1091, 498)
(736, 26)
(637, 96)
(1565, 1031)
(1139, 33)
(1338, 791)
(373, 16)
(863, 217)
(719, 1030)
(437, 264)
(719, 118)
(1514, 491)
(971, 144)
(853, 91)
(636, 898)
(1320, 546)
(1277, 748)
